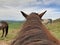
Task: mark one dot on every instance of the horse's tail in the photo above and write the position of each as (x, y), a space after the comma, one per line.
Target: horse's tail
(6, 30)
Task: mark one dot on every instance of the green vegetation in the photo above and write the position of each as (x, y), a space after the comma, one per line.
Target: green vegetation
(14, 28)
(55, 29)
(57, 20)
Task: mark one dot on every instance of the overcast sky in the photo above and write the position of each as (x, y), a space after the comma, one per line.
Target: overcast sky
(10, 9)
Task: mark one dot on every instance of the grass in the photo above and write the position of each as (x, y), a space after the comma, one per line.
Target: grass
(14, 28)
(55, 29)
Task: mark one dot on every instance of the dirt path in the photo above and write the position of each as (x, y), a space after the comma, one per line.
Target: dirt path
(3, 43)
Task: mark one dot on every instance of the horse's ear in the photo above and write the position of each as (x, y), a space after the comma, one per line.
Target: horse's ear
(40, 15)
(24, 14)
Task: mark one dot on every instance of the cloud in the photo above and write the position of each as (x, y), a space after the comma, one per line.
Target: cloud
(14, 3)
(22, 3)
(15, 14)
(10, 9)
(51, 13)
(47, 2)
(10, 14)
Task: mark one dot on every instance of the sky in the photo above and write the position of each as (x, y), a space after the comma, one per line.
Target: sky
(10, 9)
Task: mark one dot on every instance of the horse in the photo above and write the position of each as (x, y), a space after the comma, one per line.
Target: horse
(33, 32)
(46, 21)
(4, 28)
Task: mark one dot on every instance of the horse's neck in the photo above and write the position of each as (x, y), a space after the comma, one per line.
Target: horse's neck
(52, 38)
(32, 24)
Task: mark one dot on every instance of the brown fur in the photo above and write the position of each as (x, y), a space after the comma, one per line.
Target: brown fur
(4, 28)
(34, 32)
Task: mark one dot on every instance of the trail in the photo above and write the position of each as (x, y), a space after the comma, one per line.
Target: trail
(3, 43)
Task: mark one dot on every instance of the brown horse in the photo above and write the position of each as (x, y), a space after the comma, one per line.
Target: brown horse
(34, 32)
(4, 28)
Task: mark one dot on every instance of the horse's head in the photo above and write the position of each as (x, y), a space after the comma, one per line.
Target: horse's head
(33, 16)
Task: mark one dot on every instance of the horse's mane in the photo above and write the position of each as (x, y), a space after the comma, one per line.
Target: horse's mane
(33, 30)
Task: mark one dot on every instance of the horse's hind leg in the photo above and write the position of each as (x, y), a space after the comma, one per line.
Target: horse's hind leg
(6, 31)
(2, 33)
